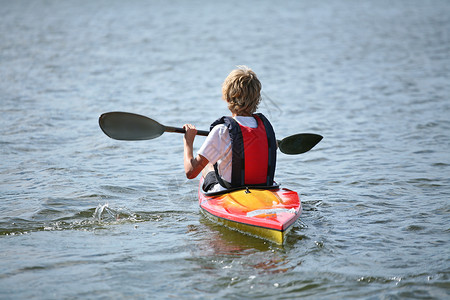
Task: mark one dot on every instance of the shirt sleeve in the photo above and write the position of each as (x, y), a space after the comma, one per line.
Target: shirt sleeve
(216, 144)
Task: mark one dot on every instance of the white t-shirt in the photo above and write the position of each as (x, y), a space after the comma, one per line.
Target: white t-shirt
(217, 148)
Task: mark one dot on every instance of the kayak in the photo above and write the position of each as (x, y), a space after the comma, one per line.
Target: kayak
(265, 212)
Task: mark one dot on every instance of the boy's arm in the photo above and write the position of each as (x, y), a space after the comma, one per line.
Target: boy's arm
(192, 166)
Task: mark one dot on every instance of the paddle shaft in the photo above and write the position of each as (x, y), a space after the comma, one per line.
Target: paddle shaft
(181, 130)
(295, 144)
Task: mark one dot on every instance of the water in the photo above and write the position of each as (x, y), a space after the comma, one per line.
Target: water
(84, 216)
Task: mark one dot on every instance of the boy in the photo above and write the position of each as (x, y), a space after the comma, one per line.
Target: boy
(242, 148)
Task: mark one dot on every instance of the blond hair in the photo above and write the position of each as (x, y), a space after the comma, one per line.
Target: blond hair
(242, 91)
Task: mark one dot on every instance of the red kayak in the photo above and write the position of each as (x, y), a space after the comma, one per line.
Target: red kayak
(265, 212)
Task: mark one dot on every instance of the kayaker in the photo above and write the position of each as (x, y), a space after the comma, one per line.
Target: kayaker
(239, 150)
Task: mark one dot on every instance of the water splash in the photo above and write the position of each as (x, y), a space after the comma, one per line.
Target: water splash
(87, 220)
(103, 212)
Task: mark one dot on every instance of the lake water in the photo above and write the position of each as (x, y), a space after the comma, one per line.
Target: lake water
(85, 216)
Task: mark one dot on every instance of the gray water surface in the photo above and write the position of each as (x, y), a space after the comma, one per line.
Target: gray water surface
(84, 216)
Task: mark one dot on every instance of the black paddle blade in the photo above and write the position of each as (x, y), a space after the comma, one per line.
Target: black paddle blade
(299, 143)
(129, 127)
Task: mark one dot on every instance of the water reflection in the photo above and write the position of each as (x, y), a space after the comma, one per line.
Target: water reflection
(219, 243)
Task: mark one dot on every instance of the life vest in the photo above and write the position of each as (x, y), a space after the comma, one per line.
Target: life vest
(254, 153)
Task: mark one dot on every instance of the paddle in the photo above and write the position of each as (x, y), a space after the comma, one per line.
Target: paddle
(133, 127)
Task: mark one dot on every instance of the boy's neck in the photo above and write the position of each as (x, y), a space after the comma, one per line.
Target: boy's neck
(241, 115)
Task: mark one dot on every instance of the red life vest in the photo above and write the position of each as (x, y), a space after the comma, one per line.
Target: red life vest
(253, 153)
